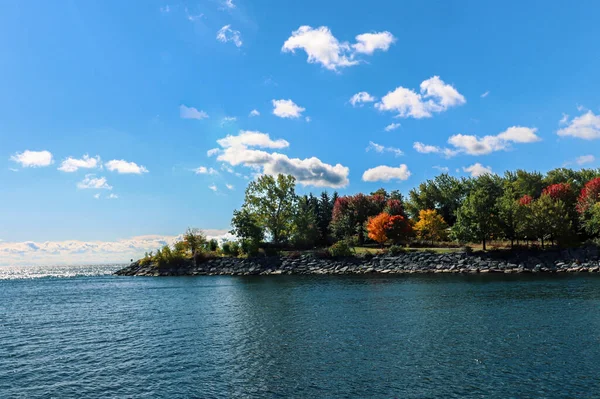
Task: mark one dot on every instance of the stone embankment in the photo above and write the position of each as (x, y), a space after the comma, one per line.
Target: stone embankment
(579, 260)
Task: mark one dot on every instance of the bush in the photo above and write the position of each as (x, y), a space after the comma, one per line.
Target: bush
(249, 247)
(341, 248)
(396, 250)
(231, 248)
(212, 245)
(468, 249)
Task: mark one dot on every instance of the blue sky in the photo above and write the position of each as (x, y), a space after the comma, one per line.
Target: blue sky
(146, 89)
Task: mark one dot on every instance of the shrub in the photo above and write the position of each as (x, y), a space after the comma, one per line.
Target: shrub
(341, 248)
(212, 245)
(250, 247)
(231, 248)
(468, 249)
(396, 250)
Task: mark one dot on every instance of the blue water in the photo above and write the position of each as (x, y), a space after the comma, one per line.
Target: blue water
(86, 334)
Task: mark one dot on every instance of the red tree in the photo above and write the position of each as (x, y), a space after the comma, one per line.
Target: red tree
(398, 228)
(525, 200)
(561, 191)
(590, 194)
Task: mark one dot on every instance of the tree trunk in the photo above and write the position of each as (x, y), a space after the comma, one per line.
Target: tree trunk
(542, 242)
(484, 244)
(512, 243)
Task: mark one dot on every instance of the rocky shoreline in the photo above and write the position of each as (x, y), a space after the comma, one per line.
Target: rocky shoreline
(578, 260)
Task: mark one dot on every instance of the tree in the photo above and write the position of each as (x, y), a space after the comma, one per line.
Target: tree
(508, 215)
(350, 214)
(194, 240)
(377, 227)
(587, 206)
(526, 183)
(477, 218)
(549, 220)
(272, 203)
(444, 194)
(305, 231)
(324, 214)
(398, 228)
(246, 227)
(591, 223)
(431, 226)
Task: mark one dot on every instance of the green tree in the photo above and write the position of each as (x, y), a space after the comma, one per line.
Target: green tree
(591, 222)
(272, 202)
(245, 226)
(324, 214)
(477, 218)
(305, 231)
(509, 215)
(549, 220)
(194, 240)
(444, 194)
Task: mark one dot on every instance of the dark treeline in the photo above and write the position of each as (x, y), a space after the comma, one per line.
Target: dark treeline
(525, 208)
(560, 208)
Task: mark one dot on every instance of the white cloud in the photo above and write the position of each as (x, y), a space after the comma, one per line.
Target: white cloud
(564, 119)
(367, 43)
(90, 181)
(248, 138)
(586, 126)
(477, 169)
(191, 113)
(310, 171)
(229, 186)
(123, 167)
(30, 253)
(73, 164)
(430, 149)
(203, 170)
(474, 145)
(308, 119)
(386, 173)
(581, 108)
(112, 196)
(435, 96)
(228, 4)
(226, 34)
(360, 98)
(381, 149)
(213, 187)
(212, 151)
(97, 196)
(392, 126)
(582, 160)
(322, 47)
(33, 159)
(444, 169)
(228, 119)
(287, 109)
(484, 95)
(193, 18)
(254, 113)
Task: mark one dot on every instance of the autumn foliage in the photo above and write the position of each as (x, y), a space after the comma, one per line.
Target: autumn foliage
(431, 226)
(384, 227)
(589, 196)
(525, 200)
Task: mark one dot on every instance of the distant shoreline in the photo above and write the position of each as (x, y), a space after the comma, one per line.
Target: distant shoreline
(575, 260)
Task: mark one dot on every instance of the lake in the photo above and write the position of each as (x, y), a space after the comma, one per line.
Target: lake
(71, 332)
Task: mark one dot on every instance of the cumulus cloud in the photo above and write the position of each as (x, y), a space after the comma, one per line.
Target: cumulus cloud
(241, 150)
(287, 109)
(392, 126)
(381, 149)
(386, 173)
(112, 196)
(191, 113)
(123, 167)
(87, 252)
(203, 170)
(33, 159)
(213, 187)
(477, 169)
(248, 138)
(586, 126)
(322, 47)
(474, 145)
(254, 113)
(86, 162)
(585, 159)
(228, 4)
(97, 196)
(226, 34)
(92, 182)
(435, 96)
(360, 98)
(229, 186)
(367, 43)
(212, 151)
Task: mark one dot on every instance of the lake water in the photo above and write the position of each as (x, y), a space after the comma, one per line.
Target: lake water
(69, 332)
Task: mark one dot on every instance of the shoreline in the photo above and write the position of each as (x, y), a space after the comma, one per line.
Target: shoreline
(576, 260)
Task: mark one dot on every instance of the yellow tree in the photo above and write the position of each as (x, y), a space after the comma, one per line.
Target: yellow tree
(377, 227)
(431, 226)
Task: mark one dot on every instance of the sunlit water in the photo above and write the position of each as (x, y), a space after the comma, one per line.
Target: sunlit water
(75, 335)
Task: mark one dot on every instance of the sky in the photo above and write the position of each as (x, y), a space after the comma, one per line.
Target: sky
(123, 123)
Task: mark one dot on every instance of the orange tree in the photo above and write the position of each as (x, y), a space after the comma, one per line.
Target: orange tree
(377, 227)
